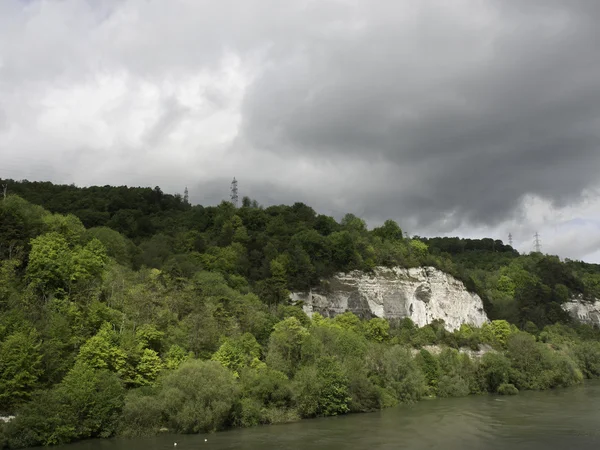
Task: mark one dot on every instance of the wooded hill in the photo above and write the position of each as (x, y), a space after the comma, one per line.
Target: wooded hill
(125, 310)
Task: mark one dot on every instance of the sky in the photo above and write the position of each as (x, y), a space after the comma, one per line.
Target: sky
(466, 118)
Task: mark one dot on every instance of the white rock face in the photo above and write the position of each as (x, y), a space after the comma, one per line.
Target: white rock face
(584, 311)
(423, 294)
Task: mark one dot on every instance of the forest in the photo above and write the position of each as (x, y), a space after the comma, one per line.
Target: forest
(129, 311)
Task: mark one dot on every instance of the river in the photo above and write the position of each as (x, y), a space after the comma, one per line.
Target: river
(550, 420)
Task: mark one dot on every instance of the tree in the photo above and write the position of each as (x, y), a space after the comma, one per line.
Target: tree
(495, 370)
(285, 345)
(69, 226)
(389, 231)
(102, 351)
(85, 404)
(20, 368)
(274, 289)
(322, 389)
(238, 353)
(377, 329)
(117, 246)
(418, 248)
(50, 263)
(198, 397)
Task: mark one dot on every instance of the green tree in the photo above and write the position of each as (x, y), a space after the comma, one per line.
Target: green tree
(377, 329)
(86, 404)
(102, 351)
(495, 371)
(322, 390)
(389, 231)
(50, 263)
(148, 368)
(238, 353)
(285, 345)
(20, 368)
(198, 397)
(69, 226)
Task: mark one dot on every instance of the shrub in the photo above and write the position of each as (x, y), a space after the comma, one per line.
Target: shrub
(431, 369)
(269, 387)
(198, 397)
(142, 414)
(588, 358)
(322, 389)
(453, 386)
(507, 389)
(396, 371)
(85, 404)
(494, 371)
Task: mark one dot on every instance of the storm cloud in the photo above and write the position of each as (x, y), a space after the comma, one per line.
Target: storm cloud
(466, 117)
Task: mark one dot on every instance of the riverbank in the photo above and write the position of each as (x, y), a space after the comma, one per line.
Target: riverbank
(548, 420)
(326, 367)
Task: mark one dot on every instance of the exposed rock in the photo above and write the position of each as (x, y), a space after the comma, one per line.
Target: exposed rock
(583, 310)
(6, 419)
(473, 354)
(424, 294)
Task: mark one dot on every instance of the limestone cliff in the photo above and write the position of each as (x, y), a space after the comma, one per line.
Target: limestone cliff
(583, 310)
(423, 294)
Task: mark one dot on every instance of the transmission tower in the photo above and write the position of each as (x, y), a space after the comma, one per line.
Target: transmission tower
(186, 196)
(537, 243)
(234, 192)
(510, 240)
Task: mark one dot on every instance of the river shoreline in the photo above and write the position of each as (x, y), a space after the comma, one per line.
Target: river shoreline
(550, 420)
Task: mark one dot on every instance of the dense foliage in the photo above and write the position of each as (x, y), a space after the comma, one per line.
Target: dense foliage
(127, 311)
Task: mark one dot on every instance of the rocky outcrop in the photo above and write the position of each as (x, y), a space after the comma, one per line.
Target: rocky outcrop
(583, 310)
(473, 354)
(424, 294)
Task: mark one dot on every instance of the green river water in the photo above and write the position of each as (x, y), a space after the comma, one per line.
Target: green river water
(551, 420)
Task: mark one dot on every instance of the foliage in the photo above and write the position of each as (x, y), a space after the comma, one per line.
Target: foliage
(322, 389)
(87, 403)
(20, 367)
(507, 389)
(127, 310)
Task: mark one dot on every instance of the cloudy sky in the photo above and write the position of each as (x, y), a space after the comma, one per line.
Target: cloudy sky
(462, 117)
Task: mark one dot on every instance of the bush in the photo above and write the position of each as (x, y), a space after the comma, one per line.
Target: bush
(507, 389)
(142, 414)
(396, 371)
(198, 397)
(453, 386)
(431, 369)
(494, 371)
(85, 404)
(269, 387)
(322, 389)
(364, 394)
(588, 358)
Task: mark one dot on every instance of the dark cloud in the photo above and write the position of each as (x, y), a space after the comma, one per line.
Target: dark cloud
(464, 117)
(482, 110)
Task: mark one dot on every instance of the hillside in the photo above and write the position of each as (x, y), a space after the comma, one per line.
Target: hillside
(140, 297)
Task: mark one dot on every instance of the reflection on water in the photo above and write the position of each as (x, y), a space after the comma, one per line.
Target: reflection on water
(562, 419)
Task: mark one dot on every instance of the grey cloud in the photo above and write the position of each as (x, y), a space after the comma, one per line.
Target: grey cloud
(3, 119)
(441, 115)
(483, 115)
(170, 114)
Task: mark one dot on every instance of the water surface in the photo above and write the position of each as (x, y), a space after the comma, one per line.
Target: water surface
(550, 420)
